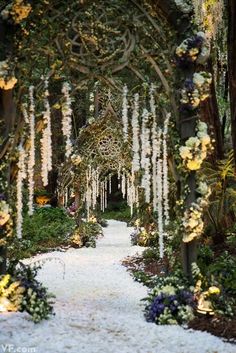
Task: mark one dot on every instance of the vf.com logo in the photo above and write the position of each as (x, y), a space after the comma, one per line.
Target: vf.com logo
(11, 348)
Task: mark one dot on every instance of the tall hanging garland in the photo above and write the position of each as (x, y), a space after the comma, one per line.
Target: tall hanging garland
(31, 159)
(135, 135)
(46, 141)
(67, 119)
(125, 113)
(19, 191)
(165, 172)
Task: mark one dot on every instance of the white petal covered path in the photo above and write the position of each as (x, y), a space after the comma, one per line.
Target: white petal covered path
(98, 308)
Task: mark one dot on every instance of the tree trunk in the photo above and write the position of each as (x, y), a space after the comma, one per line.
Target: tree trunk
(210, 114)
(232, 68)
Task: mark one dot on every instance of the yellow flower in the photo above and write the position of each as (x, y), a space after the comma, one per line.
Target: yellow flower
(194, 164)
(214, 290)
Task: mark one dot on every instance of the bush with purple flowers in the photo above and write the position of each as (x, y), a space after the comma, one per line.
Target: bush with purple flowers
(170, 303)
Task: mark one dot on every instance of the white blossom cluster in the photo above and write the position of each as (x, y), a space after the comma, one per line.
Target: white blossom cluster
(194, 152)
(192, 222)
(125, 113)
(46, 139)
(135, 137)
(19, 190)
(146, 155)
(31, 158)
(67, 119)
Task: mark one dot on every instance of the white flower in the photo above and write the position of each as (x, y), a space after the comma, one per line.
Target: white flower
(203, 188)
(193, 142)
(198, 79)
(202, 126)
(185, 152)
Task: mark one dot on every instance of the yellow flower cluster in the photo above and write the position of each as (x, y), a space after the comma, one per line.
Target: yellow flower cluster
(6, 82)
(195, 150)
(20, 11)
(11, 294)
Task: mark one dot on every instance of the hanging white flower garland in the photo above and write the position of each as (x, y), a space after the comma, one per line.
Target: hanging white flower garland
(19, 191)
(67, 119)
(145, 156)
(159, 180)
(125, 113)
(46, 141)
(31, 158)
(154, 147)
(135, 135)
(165, 171)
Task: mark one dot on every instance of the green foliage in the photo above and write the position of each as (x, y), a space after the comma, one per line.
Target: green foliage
(219, 272)
(222, 207)
(47, 229)
(119, 211)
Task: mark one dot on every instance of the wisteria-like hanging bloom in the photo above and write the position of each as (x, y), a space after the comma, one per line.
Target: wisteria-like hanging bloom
(67, 119)
(46, 140)
(19, 191)
(125, 113)
(31, 158)
(165, 171)
(135, 137)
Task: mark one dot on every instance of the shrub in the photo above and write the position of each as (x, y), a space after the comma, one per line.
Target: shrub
(86, 235)
(170, 302)
(21, 291)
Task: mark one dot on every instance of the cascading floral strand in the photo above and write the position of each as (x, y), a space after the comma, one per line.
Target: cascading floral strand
(19, 191)
(125, 113)
(46, 140)
(135, 134)
(67, 118)
(31, 159)
(145, 156)
(154, 147)
(160, 194)
(165, 171)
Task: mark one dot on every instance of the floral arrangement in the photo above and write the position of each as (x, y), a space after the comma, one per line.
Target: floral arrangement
(194, 152)
(7, 81)
(20, 291)
(5, 222)
(196, 90)
(194, 49)
(18, 10)
(193, 223)
(170, 302)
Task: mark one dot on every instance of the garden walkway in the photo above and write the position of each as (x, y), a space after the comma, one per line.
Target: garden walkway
(98, 308)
